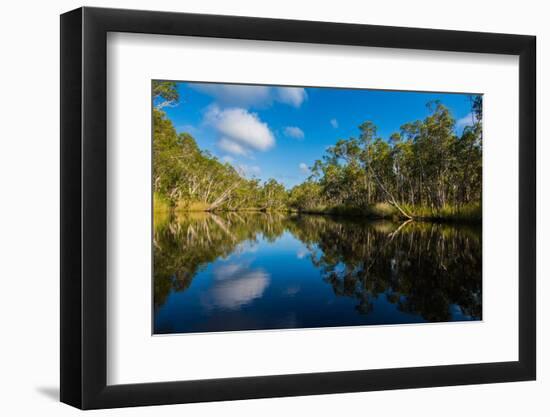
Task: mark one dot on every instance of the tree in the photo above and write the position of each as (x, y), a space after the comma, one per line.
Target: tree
(305, 196)
(425, 167)
(273, 195)
(165, 93)
(423, 171)
(190, 178)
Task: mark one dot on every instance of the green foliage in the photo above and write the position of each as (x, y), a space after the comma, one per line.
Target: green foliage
(191, 179)
(167, 90)
(470, 212)
(273, 196)
(305, 196)
(160, 203)
(424, 171)
(382, 211)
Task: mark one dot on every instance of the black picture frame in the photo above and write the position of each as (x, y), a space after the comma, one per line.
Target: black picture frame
(84, 207)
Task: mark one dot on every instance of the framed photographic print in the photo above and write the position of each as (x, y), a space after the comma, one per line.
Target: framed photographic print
(258, 207)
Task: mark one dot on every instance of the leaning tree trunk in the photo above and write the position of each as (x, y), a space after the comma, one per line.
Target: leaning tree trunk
(222, 198)
(391, 198)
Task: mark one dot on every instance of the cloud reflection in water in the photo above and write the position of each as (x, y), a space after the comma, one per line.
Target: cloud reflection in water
(235, 285)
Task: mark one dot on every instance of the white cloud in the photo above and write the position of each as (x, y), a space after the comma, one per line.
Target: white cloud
(249, 170)
(240, 130)
(230, 146)
(234, 293)
(236, 95)
(303, 167)
(228, 271)
(236, 285)
(334, 123)
(465, 121)
(243, 169)
(294, 132)
(294, 96)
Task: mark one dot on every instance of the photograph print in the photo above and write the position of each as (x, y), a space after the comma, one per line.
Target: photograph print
(286, 207)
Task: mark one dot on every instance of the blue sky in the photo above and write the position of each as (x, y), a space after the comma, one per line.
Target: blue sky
(278, 132)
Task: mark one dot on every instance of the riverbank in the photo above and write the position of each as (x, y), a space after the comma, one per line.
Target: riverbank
(469, 213)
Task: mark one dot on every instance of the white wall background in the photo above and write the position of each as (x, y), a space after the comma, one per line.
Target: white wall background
(29, 225)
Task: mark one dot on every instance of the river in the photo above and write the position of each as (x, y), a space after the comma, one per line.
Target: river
(255, 271)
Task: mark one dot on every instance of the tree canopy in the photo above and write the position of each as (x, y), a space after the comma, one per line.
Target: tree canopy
(425, 169)
(165, 93)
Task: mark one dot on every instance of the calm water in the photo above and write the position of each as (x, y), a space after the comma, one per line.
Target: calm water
(244, 271)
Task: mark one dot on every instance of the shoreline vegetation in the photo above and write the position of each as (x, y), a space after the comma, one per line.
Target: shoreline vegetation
(379, 211)
(425, 172)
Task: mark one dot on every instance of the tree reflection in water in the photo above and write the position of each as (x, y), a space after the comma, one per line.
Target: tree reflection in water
(427, 269)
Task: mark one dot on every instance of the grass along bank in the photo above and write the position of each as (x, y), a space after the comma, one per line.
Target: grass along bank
(469, 213)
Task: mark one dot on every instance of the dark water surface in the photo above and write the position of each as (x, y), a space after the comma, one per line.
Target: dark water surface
(244, 271)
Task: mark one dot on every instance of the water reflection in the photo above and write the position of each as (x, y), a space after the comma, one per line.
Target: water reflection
(236, 285)
(237, 271)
